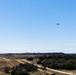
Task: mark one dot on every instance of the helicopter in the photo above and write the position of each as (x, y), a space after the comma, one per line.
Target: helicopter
(58, 24)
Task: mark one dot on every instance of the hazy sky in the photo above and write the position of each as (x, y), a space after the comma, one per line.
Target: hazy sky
(31, 26)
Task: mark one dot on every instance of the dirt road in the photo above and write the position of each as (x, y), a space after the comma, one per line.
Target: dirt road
(49, 70)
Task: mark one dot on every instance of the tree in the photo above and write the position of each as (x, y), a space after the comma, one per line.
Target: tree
(30, 59)
(39, 62)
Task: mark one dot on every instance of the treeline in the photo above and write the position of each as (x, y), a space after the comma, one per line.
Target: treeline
(58, 61)
(34, 54)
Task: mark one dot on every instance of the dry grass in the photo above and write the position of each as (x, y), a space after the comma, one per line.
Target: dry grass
(8, 62)
(1, 73)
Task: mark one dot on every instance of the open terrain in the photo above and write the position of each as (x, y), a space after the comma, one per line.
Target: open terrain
(14, 60)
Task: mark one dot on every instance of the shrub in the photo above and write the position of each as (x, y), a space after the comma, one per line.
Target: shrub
(14, 72)
(6, 69)
(39, 62)
(22, 73)
(53, 74)
(30, 59)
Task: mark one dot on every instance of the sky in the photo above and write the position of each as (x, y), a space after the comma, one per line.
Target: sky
(31, 26)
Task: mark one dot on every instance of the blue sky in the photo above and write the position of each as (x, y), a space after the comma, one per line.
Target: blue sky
(31, 26)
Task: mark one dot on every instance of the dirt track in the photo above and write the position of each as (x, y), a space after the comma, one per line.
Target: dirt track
(51, 70)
